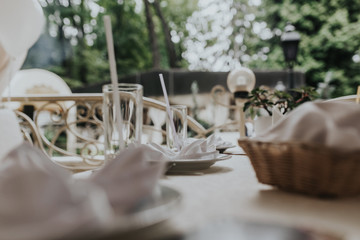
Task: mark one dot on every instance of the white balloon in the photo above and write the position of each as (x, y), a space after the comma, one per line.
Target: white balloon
(21, 23)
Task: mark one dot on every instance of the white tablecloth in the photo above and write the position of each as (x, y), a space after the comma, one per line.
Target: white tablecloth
(230, 189)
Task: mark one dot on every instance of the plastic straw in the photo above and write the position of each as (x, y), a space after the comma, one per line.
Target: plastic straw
(176, 139)
(114, 80)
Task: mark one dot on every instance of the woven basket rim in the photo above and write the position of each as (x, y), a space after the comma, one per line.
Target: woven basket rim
(312, 146)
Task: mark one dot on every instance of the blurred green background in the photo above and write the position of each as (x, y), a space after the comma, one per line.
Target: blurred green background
(205, 35)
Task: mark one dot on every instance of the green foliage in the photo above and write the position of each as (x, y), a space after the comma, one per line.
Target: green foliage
(236, 32)
(221, 35)
(177, 12)
(260, 98)
(98, 66)
(329, 32)
(130, 36)
(301, 95)
(73, 44)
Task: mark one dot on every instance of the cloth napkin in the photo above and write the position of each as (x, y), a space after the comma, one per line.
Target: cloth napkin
(10, 134)
(192, 149)
(130, 176)
(40, 200)
(217, 141)
(276, 115)
(333, 124)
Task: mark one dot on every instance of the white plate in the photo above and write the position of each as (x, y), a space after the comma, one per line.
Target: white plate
(186, 165)
(154, 209)
(223, 147)
(151, 211)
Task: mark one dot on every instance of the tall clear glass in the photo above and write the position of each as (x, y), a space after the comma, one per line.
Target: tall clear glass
(179, 117)
(131, 105)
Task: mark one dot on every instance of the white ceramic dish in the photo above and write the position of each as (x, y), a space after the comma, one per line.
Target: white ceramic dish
(151, 211)
(221, 148)
(186, 165)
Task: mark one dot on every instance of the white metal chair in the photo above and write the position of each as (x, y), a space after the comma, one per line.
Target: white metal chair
(88, 109)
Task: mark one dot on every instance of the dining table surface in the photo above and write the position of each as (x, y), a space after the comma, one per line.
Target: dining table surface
(229, 194)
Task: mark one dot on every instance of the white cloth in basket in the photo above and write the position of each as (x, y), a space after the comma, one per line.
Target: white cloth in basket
(333, 124)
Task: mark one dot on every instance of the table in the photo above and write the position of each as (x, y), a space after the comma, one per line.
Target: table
(230, 190)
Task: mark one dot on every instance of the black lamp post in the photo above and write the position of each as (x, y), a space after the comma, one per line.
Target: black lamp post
(290, 41)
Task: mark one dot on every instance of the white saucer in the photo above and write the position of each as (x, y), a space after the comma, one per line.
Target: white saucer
(155, 209)
(151, 211)
(185, 165)
(221, 148)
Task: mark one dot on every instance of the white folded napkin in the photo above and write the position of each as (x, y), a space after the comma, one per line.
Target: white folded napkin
(130, 176)
(40, 200)
(276, 115)
(217, 141)
(333, 124)
(10, 134)
(192, 149)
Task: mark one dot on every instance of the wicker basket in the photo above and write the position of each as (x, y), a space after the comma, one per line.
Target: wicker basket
(315, 170)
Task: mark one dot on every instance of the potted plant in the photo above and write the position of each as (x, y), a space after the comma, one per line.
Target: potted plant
(262, 103)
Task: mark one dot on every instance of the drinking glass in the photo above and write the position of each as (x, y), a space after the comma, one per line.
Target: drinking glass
(131, 108)
(179, 118)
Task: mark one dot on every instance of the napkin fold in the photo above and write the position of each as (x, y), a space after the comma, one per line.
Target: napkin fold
(333, 124)
(192, 149)
(40, 200)
(130, 176)
(213, 139)
(276, 115)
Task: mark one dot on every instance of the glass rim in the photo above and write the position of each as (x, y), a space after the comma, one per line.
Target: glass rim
(122, 86)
